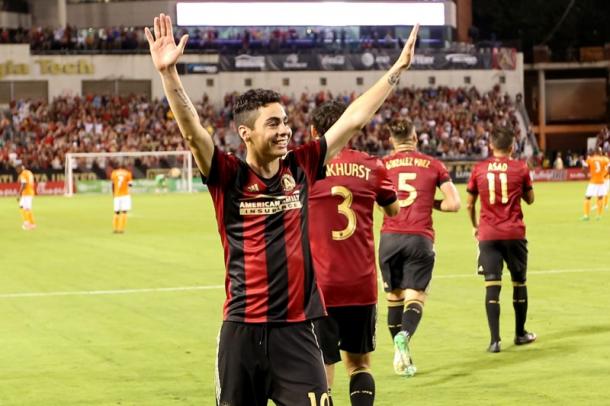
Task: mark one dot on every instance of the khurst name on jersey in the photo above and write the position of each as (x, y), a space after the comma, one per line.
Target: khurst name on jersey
(267, 204)
(348, 169)
(407, 161)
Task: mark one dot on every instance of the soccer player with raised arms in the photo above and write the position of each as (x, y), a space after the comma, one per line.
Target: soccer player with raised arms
(343, 250)
(267, 346)
(406, 247)
(500, 183)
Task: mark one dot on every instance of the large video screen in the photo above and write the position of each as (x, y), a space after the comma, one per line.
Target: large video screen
(315, 13)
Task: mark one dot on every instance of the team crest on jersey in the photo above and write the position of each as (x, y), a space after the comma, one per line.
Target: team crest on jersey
(288, 182)
(253, 188)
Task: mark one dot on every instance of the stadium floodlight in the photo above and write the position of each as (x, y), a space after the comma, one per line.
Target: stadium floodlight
(181, 163)
(315, 13)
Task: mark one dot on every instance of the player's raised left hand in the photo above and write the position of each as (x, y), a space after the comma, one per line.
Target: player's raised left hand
(406, 56)
(163, 48)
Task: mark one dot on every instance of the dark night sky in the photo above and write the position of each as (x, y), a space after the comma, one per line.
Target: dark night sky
(526, 23)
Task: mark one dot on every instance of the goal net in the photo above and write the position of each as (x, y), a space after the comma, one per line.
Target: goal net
(154, 172)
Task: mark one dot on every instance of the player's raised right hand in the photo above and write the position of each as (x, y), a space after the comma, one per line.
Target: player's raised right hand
(163, 48)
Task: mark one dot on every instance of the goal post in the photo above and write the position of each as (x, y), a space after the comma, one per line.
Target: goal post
(177, 165)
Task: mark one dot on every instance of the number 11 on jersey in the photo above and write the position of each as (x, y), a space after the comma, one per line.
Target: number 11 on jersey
(491, 179)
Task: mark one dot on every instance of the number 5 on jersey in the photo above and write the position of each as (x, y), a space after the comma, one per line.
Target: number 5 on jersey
(404, 186)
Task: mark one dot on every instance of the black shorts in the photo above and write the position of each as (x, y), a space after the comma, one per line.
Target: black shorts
(493, 254)
(406, 261)
(257, 362)
(347, 328)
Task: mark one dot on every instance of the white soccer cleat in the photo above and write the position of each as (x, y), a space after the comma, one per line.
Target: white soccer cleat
(403, 364)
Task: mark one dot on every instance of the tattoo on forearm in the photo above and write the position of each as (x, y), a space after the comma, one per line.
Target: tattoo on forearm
(394, 78)
(186, 103)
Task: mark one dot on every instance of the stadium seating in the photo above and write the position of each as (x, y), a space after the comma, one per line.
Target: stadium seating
(451, 123)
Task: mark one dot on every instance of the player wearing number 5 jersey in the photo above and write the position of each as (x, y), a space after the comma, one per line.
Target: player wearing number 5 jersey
(121, 182)
(597, 165)
(406, 254)
(343, 250)
(501, 183)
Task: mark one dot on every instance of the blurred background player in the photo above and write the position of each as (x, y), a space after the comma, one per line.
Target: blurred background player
(161, 183)
(406, 248)
(343, 249)
(597, 166)
(501, 183)
(121, 182)
(25, 196)
(163, 180)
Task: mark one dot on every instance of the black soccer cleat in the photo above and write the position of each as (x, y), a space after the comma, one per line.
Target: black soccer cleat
(525, 338)
(494, 347)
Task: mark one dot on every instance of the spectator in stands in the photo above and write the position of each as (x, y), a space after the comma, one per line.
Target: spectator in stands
(558, 163)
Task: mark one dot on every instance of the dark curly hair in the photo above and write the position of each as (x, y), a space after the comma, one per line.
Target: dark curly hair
(502, 138)
(246, 106)
(401, 129)
(326, 114)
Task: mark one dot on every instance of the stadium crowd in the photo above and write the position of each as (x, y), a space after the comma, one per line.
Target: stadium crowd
(271, 39)
(451, 124)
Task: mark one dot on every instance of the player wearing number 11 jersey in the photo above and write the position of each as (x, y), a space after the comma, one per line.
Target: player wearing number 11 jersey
(501, 183)
(406, 253)
(343, 251)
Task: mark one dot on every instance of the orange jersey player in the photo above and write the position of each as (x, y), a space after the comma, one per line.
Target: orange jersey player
(26, 195)
(121, 182)
(597, 165)
(607, 185)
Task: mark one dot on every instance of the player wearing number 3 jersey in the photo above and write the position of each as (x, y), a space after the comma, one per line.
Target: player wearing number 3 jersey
(501, 183)
(406, 253)
(343, 251)
(597, 165)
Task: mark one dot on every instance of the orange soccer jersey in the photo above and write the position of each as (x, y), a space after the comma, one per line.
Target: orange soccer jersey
(27, 177)
(121, 178)
(598, 168)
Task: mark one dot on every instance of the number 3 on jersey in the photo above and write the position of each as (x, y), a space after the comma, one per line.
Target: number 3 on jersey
(345, 209)
(404, 186)
(491, 180)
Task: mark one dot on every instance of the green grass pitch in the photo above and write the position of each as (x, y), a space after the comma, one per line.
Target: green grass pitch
(84, 319)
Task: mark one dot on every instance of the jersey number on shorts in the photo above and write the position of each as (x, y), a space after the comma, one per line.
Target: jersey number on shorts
(406, 187)
(491, 179)
(323, 399)
(345, 209)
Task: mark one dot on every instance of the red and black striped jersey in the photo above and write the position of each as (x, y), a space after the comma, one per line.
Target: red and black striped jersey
(263, 224)
(342, 235)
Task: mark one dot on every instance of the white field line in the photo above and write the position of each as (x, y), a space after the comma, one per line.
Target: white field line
(213, 287)
(108, 292)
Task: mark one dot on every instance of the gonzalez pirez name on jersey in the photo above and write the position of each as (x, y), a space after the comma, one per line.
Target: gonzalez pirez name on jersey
(266, 204)
(407, 161)
(348, 169)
